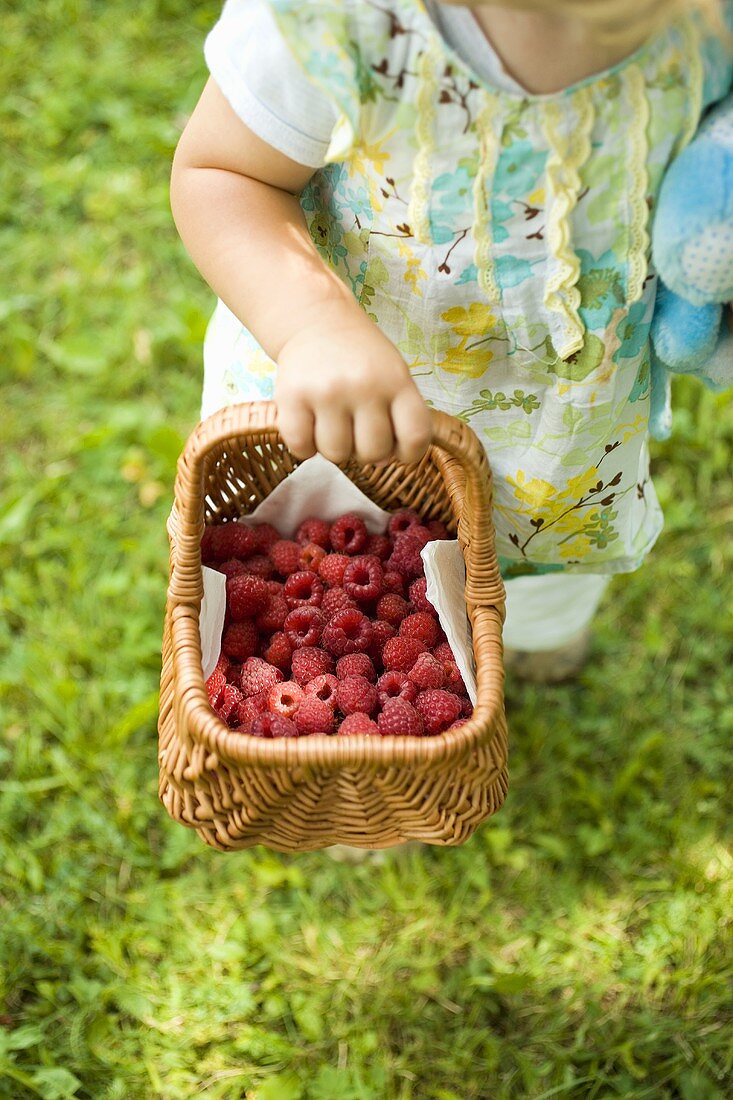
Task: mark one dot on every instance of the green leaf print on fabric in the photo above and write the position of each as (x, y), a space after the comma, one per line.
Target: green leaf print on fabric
(578, 366)
(376, 278)
(513, 128)
(601, 286)
(518, 433)
(487, 401)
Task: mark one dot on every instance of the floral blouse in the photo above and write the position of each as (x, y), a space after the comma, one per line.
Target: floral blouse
(501, 241)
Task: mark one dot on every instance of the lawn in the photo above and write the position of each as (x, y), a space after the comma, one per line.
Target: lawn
(579, 946)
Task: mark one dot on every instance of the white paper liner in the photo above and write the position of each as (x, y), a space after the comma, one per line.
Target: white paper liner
(318, 487)
(445, 572)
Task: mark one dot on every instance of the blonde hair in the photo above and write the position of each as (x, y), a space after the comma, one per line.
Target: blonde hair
(618, 20)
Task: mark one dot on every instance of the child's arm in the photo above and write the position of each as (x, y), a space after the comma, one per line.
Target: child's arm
(342, 387)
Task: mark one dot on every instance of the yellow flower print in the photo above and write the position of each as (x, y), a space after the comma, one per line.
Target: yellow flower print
(472, 362)
(533, 492)
(582, 512)
(477, 320)
(413, 271)
(260, 364)
(479, 325)
(368, 160)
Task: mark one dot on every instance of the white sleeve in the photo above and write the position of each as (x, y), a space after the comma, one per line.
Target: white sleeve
(251, 63)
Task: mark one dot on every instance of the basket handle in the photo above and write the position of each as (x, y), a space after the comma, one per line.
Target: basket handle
(484, 585)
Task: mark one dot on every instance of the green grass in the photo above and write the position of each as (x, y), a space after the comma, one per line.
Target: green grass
(578, 947)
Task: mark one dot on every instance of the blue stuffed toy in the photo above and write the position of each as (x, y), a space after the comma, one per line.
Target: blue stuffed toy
(692, 249)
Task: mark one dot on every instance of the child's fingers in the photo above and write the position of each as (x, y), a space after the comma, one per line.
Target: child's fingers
(373, 435)
(295, 424)
(412, 425)
(334, 435)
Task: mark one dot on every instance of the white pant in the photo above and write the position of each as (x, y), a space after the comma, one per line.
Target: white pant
(549, 611)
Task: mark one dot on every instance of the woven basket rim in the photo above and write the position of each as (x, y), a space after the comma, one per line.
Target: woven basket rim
(453, 441)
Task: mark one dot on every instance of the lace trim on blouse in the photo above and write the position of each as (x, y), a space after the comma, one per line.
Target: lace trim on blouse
(418, 211)
(638, 261)
(568, 154)
(489, 148)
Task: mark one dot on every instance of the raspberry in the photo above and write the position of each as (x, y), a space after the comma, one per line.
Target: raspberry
(392, 609)
(401, 653)
(285, 556)
(206, 540)
(331, 569)
(279, 651)
(348, 631)
(314, 530)
(363, 579)
(443, 652)
(259, 566)
(348, 534)
(466, 707)
(324, 688)
(273, 617)
(249, 709)
(437, 709)
(420, 533)
(402, 521)
(418, 597)
(246, 596)
(258, 675)
(314, 716)
(224, 664)
(311, 556)
(265, 537)
(421, 625)
(405, 557)
(215, 686)
(453, 679)
(285, 698)
(310, 662)
(304, 626)
(395, 685)
(229, 700)
(275, 588)
(437, 529)
(233, 673)
(427, 672)
(273, 725)
(458, 723)
(230, 540)
(336, 600)
(232, 568)
(355, 664)
(303, 589)
(241, 640)
(380, 546)
(393, 582)
(355, 693)
(381, 634)
(399, 718)
(358, 723)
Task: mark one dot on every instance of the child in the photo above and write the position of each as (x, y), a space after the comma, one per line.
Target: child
(402, 203)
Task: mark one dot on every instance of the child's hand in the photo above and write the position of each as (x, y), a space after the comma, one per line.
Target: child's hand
(343, 389)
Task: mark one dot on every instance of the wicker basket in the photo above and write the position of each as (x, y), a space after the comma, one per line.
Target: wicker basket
(304, 793)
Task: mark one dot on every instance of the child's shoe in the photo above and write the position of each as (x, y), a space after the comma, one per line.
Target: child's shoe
(550, 666)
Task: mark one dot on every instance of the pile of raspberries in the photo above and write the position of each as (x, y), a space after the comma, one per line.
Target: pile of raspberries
(331, 631)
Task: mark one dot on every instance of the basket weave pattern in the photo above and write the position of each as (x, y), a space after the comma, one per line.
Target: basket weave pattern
(297, 794)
